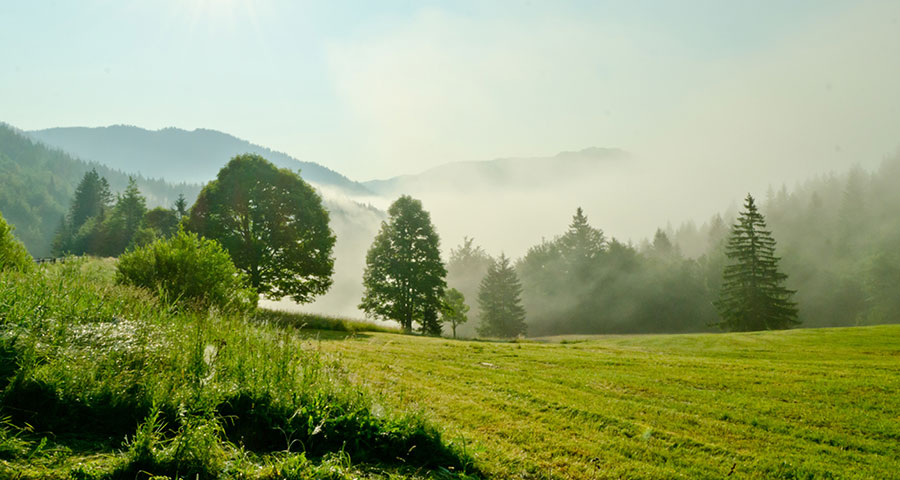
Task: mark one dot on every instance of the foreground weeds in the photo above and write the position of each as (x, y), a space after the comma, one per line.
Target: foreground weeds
(105, 381)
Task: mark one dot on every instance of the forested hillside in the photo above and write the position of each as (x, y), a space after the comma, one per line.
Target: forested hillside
(837, 236)
(839, 239)
(177, 155)
(37, 183)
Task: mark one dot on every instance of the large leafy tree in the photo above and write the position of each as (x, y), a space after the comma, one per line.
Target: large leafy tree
(499, 297)
(273, 225)
(404, 276)
(753, 295)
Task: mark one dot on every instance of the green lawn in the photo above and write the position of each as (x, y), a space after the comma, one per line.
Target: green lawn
(794, 404)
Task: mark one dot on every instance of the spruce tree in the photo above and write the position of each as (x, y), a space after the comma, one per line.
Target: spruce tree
(753, 296)
(502, 314)
(181, 206)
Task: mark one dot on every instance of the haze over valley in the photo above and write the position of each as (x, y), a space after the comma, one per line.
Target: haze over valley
(456, 240)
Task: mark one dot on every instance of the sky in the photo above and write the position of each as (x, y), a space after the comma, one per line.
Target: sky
(767, 90)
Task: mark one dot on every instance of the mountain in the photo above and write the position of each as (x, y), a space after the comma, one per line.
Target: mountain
(37, 184)
(504, 173)
(174, 154)
(509, 204)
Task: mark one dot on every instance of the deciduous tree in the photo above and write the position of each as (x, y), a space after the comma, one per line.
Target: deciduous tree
(454, 309)
(404, 276)
(273, 225)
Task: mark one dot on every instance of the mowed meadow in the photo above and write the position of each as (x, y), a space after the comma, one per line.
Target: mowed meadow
(104, 381)
(798, 404)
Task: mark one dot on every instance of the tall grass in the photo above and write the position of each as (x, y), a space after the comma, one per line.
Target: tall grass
(307, 321)
(181, 393)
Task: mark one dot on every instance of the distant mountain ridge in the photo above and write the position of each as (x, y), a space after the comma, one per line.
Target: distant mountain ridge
(177, 155)
(504, 173)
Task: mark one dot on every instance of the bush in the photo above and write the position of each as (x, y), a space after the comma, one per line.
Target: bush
(12, 253)
(187, 270)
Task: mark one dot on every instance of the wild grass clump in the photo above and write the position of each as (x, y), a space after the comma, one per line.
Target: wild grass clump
(180, 392)
(310, 321)
(188, 270)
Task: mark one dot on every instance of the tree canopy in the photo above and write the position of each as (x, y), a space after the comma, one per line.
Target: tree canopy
(273, 225)
(404, 276)
(753, 296)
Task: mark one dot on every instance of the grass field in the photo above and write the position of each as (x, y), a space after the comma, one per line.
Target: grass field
(102, 381)
(800, 404)
(107, 382)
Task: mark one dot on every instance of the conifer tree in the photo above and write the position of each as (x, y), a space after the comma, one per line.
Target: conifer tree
(753, 296)
(582, 243)
(91, 201)
(502, 314)
(92, 197)
(431, 324)
(181, 206)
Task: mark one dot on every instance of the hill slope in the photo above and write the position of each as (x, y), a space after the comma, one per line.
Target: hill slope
(504, 173)
(791, 404)
(175, 154)
(37, 184)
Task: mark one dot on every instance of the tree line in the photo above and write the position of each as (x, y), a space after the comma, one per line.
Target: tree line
(275, 230)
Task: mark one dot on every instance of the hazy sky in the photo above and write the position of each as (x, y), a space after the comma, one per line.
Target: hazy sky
(375, 89)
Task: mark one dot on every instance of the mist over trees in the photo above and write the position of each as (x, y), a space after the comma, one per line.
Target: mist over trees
(839, 242)
(467, 266)
(499, 298)
(580, 282)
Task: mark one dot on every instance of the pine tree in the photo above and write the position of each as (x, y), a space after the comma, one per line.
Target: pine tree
(502, 314)
(181, 206)
(92, 197)
(91, 201)
(753, 296)
(581, 243)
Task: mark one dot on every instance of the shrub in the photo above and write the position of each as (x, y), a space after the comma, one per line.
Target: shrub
(12, 253)
(188, 270)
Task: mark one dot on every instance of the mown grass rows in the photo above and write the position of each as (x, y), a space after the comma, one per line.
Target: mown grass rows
(90, 368)
(798, 404)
